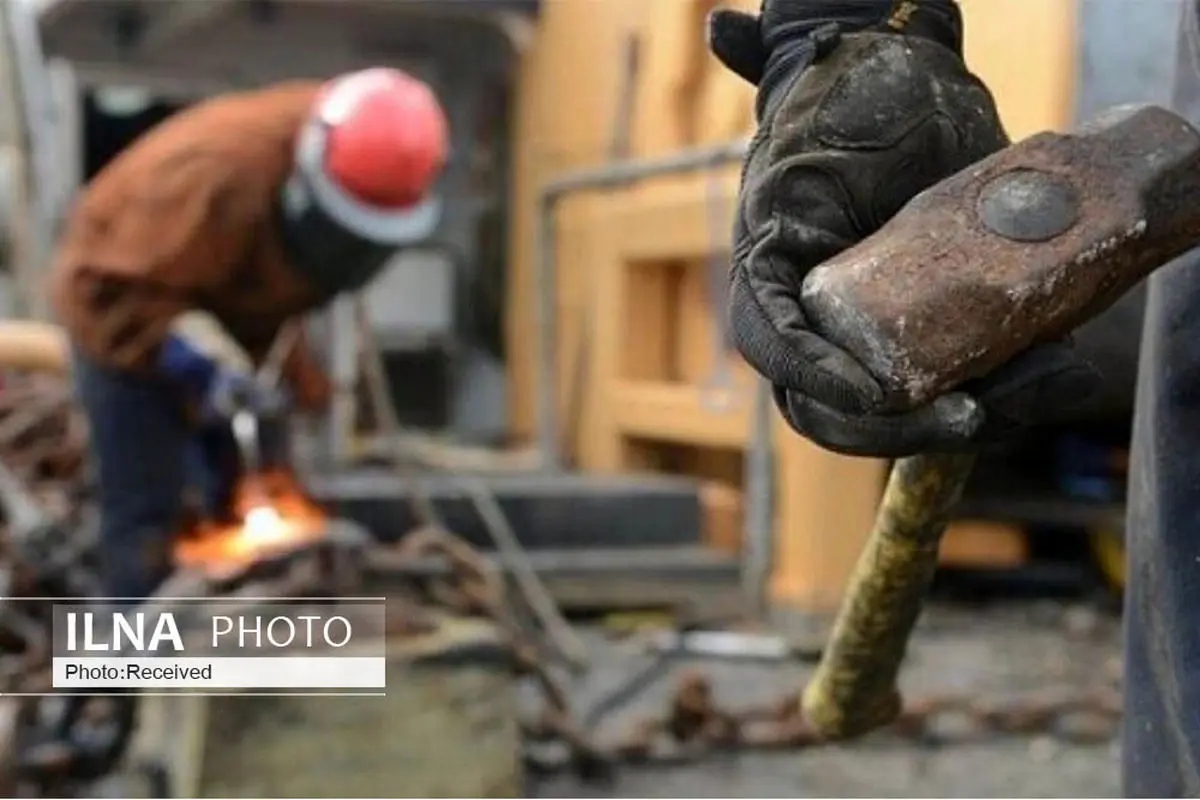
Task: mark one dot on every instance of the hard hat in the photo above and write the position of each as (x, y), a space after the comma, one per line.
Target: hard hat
(386, 136)
(367, 160)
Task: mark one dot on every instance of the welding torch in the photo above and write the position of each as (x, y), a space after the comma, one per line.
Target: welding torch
(245, 419)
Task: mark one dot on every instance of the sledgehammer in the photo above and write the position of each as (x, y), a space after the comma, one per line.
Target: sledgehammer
(1018, 249)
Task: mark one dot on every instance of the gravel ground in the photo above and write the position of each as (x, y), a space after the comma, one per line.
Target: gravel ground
(994, 652)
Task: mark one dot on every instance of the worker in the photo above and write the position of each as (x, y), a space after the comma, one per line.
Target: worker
(184, 257)
(841, 149)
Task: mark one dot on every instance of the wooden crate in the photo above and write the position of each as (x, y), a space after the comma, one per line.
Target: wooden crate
(650, 406)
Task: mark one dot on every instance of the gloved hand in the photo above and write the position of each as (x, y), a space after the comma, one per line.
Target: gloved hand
(214, 370)
(231, 390)
(851, 127)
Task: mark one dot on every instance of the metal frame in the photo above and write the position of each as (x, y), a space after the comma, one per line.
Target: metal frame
(512, 19)
(30, 108)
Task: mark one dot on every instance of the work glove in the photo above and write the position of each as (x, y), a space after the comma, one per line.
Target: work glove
(861, 106)
(231, 390)
(200, 356)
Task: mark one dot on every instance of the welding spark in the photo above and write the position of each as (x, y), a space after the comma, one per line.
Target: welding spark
(265, 525)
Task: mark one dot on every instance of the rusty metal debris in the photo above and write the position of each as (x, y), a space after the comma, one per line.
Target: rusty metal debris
(695, 725)
(43, 434)
(57, 747)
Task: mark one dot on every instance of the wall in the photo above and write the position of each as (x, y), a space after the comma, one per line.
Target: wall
(1025, 51)
(566, 103)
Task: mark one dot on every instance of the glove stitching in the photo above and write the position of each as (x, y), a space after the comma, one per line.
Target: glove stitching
(797, 375)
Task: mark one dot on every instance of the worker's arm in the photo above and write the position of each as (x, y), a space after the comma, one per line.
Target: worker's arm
(201, 357)
(167, 240)
(851, 127)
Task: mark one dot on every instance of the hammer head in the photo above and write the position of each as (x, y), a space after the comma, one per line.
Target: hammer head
(1018, 249)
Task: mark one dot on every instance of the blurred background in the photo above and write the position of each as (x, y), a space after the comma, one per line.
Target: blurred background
(562, 341)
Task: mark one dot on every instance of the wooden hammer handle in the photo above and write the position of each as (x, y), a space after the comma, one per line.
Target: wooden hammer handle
(854, 688)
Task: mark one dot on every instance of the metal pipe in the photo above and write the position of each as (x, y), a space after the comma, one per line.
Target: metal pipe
(620, 173)
(758, 535)
(29, 107)
(545, 272)
(344, 371)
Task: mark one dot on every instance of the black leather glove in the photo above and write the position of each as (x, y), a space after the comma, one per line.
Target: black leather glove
(861, 105)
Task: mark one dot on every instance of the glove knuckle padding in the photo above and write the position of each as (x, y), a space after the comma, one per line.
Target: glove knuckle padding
(874, 91)
(906, 109)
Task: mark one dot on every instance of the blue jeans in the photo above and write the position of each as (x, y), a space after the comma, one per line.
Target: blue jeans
(146, 453)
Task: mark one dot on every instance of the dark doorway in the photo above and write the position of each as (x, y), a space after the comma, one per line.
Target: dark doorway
(107, 132)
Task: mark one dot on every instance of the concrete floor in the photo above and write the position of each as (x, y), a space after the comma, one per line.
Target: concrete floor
(995, 651)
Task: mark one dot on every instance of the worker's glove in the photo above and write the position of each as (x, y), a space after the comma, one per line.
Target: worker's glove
(214, 370)
(851, 127)
(231, 391)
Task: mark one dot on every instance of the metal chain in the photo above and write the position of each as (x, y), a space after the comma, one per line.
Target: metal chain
(695, 725)
(478, 589)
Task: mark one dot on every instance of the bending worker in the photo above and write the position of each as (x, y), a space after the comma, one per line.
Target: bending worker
(841, 149)
(185, 256)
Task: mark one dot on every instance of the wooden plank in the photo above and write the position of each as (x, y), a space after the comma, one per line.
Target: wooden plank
(661, 219)
(824, 511)
(678, 413)
(602, 447)
(566, 95)
(721, 505)
(670, 83)
(686, 96)
(647, 336)
(1043, 32)
(577, 230)
(984, 544)
(723, 465)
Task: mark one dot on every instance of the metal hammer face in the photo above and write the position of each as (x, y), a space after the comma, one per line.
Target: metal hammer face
(1017, 249)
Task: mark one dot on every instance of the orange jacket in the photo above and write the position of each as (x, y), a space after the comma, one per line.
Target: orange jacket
(185, 219)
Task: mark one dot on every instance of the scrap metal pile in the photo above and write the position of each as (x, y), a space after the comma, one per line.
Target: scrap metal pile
(58, 747)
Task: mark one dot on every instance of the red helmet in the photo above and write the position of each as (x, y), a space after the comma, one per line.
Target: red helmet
(367, 159)
(387, 136)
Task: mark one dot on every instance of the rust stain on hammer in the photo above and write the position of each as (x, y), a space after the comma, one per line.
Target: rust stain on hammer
(1018, 249)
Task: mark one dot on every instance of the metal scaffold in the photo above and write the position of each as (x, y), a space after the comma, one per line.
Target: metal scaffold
(29, 137)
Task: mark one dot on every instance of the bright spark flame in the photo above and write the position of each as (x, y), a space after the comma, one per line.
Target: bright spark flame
(264, 525)
(275, 516)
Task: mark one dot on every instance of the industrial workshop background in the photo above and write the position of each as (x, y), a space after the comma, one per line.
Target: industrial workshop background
(562, 340)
